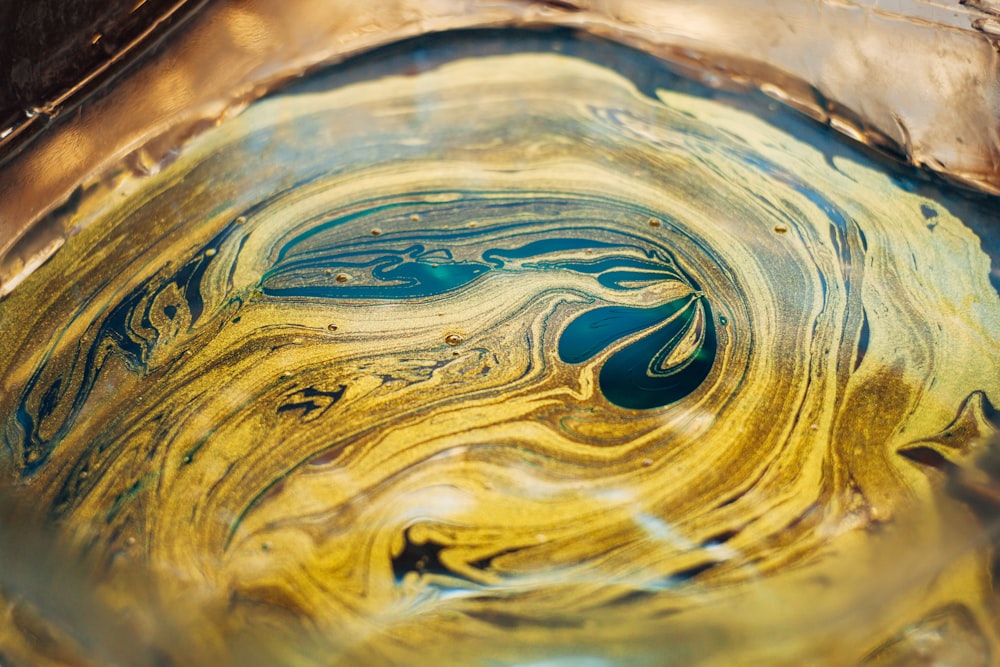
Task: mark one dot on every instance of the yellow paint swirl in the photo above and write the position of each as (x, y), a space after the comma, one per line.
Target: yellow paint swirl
(509, 359)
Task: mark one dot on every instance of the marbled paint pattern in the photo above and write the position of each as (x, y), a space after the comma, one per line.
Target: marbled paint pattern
(503, 353)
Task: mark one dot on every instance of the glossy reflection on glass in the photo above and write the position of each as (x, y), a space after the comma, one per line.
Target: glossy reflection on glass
(502, 355)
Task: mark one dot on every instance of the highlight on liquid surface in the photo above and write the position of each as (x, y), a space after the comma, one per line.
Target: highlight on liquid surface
(511, 349)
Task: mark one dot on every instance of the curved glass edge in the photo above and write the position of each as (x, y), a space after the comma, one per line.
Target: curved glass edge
(914, 79)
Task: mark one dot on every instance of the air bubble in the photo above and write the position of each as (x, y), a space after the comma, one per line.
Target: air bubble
(454, 339)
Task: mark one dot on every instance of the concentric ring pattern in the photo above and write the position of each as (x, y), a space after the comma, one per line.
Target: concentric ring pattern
(505, 350)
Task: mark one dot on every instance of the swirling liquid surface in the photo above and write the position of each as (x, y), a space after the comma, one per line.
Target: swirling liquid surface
(505, 348)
